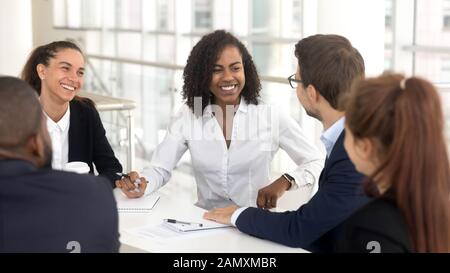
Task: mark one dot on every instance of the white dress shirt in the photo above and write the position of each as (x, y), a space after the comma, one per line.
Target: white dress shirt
(233, 175)
(59, 134)
(328, 138)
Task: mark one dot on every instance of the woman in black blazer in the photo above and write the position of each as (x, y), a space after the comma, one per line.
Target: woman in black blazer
(56, 72)
(395, 136)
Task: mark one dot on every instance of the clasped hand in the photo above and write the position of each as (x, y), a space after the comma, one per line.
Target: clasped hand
(132, 185)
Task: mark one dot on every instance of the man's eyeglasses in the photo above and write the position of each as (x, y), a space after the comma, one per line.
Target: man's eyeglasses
(293, 82)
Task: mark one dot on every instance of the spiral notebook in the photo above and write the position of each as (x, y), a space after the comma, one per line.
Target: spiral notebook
(136, 205)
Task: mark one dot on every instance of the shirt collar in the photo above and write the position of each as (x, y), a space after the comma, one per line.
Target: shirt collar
(243, 107)
(330, 136)
(62, 124)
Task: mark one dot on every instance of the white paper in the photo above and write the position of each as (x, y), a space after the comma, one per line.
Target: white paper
(142, 204)
(205, 225)
(162, 234)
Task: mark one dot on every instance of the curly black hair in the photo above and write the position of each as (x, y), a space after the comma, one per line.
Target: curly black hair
(198, 71)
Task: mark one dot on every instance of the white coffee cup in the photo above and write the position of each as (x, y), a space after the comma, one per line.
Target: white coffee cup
(77, 167)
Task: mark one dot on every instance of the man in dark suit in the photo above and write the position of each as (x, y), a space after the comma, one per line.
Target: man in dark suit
(327, 65)
(42, 210)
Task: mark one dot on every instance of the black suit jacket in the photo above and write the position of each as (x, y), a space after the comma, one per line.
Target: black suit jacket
(88, 142)
(314, 226)
(44, 210)
(379, 227)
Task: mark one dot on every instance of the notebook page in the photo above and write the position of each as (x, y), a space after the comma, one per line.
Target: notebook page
(142, 204)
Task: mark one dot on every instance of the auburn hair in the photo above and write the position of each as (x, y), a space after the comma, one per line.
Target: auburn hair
(404, 117)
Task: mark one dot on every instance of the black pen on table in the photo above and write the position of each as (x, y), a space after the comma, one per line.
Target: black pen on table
(173, 221)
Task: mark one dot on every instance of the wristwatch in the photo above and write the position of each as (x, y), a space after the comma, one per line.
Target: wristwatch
(291, 181)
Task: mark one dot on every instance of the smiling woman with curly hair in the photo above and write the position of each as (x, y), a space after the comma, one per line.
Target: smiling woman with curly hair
(231, 135)
(204, 55)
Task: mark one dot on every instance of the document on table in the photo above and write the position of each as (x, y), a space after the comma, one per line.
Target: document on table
(164, 231)
(154, 232)
(184, 226)
(142, 204)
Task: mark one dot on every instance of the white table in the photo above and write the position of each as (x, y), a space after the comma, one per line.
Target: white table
(177, 201)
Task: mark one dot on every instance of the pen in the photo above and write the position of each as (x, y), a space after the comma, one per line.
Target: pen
(182, 222)
(124, 175)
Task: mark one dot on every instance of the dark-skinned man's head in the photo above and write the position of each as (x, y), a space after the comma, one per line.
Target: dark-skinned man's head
(23, 130)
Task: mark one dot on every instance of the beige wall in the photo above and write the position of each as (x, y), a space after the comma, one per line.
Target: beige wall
(15, 29)
(25, 24)
(43, 31)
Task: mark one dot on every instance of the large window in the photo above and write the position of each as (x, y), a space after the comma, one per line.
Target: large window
(145, 44)
(446, 15)
(163, 15)
(389, 27)
(445, 68)
(446, 22)
(130, 14)
(261, 16)
(202, 15)
(433, 40)
(135, 35)
(297, 16)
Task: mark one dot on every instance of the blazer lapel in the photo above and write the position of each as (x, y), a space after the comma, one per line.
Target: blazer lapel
(339, 143)
(76, 124)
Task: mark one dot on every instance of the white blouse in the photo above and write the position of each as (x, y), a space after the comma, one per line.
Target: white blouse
(233, 175)
(59, 134)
